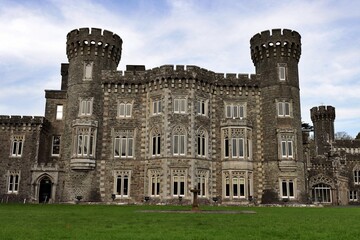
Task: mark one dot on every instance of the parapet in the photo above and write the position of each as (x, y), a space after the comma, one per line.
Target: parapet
(138, 75)
(93, 42)
(322, 113)
(20, 120)
(275, 43)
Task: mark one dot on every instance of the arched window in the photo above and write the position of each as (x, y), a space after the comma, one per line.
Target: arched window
(202, 142)
(155, 142)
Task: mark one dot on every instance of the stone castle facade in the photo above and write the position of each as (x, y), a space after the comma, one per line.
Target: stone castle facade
(152, 135)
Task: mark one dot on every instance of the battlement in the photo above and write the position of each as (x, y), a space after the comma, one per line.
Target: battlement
(180, 72)
(322, 113)
(93, 42)
(275, 43)
(19, 120)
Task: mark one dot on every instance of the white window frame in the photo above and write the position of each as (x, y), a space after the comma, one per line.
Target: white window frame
(319, 190)
(85, 142)
(179, 144)
(124, 146)
(13, 183)
(124, 110)
(235, 111)
(122, 183)
(86, 107)
(154, 183)
(202, 107)
(156, 144)
(180, 105)
(236, 186)
(55, 145)
(237, 147)
(17, 145)
(353, 196)
(282, 73)
(202, 183)
(287, 149)
(287, 188)
(59, 112)
(202, 143)
(284, 109)
(356, 176)
(88, 71)
(156, 107)
(178, 183)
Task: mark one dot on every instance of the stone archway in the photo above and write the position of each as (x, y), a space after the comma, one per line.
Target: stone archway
(45, 189)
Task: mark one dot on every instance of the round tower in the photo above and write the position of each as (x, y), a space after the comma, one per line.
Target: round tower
(276, 55)
(323, 118)
(89, 51)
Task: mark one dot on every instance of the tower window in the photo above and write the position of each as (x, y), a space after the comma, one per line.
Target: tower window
(88, 71)
(284, 109)
(282, 73)
(86, 107)
(287, 189)
(235, 111)
(55, 146)
(59, 112)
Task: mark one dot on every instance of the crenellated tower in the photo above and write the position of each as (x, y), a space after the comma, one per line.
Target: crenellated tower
(89, 51)
(276, 55)
(323, 118)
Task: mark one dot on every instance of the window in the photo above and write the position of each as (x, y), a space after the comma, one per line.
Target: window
(202, 107)
(284, 109)
(353, 196)
(17, 145)
(321, 193)
(357, 176)
(179, 105)
(282, 73)
(122, 184)
(287, 149)
(154, 183)
(238, 184)
(178, 179)
(202, 182)
(86, 107)
(235, 111)
(155, 142)
(124, 110)
(85, 142)
(237, 143)
(55, 146)
(179, 141)
(202, 143)
(287, 189)
(13, 182)
(237, 147)
(59, 112)
(156, 107)
(124, 144)
(88, 71)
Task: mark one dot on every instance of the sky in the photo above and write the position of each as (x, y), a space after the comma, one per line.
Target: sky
(212, 34)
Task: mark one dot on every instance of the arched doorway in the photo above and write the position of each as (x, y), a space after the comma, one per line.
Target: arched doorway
(45, 190)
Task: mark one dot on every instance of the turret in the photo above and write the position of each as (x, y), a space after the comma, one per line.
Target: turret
(89, 51)
(276, 55)
(323, 118)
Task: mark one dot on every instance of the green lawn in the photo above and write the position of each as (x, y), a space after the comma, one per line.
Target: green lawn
(129, 222)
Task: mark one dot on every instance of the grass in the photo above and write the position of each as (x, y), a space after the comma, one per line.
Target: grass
(128, 222)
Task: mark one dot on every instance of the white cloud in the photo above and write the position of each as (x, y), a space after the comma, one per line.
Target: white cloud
(213, 34)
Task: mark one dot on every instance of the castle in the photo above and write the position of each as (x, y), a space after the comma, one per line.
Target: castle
(153, 135)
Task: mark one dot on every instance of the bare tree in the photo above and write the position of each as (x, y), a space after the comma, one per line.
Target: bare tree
(342, 136)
